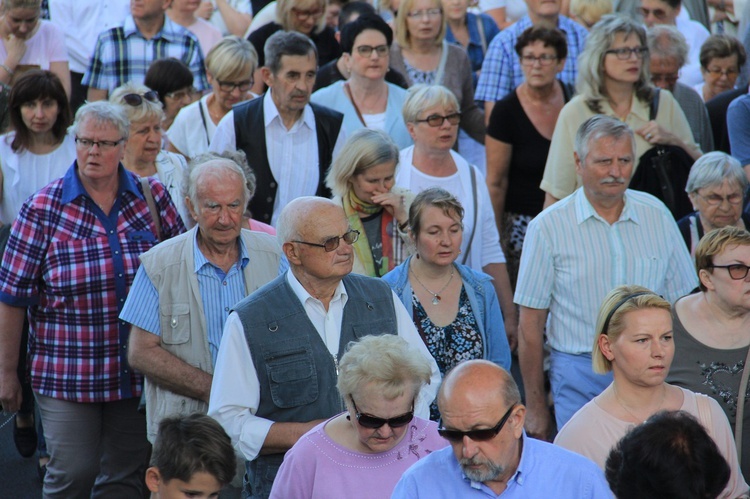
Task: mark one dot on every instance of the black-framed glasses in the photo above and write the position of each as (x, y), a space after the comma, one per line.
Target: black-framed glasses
(436, 120)
(624, 53)
(103, 144)
(331, 244)
(137, 99)
(367, 50)
(737, 271)
(374, 422)
(476, 435)
(181, 93)
(304, 15)
(543, 60)
(229, 86)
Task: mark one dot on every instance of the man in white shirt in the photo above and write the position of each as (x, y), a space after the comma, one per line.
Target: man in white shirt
(276, 371)
(301, 139)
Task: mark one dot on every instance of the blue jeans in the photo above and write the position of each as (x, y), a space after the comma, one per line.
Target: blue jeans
(573, 383)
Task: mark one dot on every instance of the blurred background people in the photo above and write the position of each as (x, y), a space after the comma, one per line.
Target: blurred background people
(172, 80)
(721, 58)
(184, 13)
(472, 31)
(589, 12)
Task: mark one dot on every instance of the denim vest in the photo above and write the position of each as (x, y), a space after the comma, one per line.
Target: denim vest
(296, 372)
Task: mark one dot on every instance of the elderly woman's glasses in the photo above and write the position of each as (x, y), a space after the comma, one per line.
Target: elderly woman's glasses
(624, 53)
(476, 435)
(419, 14)
(716, 200)
(333, 243)
(304, 15)
(737, 271)
(543, 60)
(137, 99)
(436, 120)
(718, 72)
(104, 145)
(367, 50)
(229, 86)
(374, 422)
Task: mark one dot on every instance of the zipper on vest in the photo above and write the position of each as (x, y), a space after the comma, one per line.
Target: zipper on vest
(336, 363)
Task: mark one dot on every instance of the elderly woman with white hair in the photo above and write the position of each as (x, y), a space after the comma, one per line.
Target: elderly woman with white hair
(716, 187)
(432, 115)
(143, 153)
(364, 451)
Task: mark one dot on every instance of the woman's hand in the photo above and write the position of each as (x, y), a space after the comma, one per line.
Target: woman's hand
(654, 134)
(16, 48)
(395, 204)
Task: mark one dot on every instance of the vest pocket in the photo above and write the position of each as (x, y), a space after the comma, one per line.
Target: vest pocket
(292, 376)
(175, 323)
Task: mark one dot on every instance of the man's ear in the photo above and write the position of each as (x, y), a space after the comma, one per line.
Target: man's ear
(266, 74)
(153, 479)
(290, 251)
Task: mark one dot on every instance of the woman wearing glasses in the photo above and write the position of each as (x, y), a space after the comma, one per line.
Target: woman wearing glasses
(635, 341)
(229, 67)
(715, 186)
(712, 329)
(722, 57)
(143, 154)
(173, 81)
(518, 137)
(364, 451)
(614, 79)
(366, 99)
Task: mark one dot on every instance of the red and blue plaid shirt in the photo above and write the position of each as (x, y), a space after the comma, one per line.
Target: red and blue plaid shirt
(72, 265)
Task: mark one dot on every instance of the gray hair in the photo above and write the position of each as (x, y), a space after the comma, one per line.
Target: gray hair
(598, 127)
(363, 150)
(714, 168)
(146, 110)
(216, 166)
(590, 79)
(667, 41)
(386, 361)
(284, 43)
(421, 97)
(294, 214)
(231, 59)
(102, 112)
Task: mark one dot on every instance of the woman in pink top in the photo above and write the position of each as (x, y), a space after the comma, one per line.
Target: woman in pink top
(364, 451)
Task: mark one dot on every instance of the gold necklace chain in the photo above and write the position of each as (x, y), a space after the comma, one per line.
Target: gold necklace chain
(639, 420)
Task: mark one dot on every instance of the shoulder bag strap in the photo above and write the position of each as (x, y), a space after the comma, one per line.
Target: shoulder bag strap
(441, 66)
(152, 207)
(476, 213)
(205, 125)
(653, 109)
(354, 104)
(482, 36)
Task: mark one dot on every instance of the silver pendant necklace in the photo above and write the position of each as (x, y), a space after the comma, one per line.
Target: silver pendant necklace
(435, 296)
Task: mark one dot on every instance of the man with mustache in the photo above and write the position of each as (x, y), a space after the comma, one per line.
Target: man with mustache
(601, 236)
(289, 142)
(491, 458)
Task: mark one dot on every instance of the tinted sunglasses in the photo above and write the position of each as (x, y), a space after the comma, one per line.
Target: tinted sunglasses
(476, 435)
(373, 422)
(332, 243)
(137, 99)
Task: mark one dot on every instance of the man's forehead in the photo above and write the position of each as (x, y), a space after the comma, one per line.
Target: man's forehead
(298, 63)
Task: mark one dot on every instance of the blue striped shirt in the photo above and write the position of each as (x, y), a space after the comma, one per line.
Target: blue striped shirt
(219, 293)
(572, 258)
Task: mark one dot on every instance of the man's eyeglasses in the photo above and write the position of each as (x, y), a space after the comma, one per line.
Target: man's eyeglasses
(104, 145)
(304, 15)
(419, 14)
(374, 422)
(181, 94)
(476, 435)
(543, 60)
(366, 50)
(624, 53)
(718, 72)
(436, 120)
(137, 99)
(668, 78)
(229, 86)
(737, 271)
(333, 243)
(716, 200)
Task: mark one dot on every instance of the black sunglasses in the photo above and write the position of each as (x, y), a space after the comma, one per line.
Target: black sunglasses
(476, 435)
(137, 99)
(332, 243)
(374, 422)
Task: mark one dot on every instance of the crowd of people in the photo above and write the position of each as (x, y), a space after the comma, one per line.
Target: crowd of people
(409, 249)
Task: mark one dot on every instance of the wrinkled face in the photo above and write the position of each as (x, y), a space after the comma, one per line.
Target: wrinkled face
(202, 485)
(373, 65)
(220, 206)
(734, 294)
(99, 161)
(658, 12)
(719, 205)
(643, 352)
(623, 71)
(328, 221)
(40, 115)
(376, 180)
(540, 64)
(292, 85)
(232, 90)
(145, 140)
(440, 137)
(305, 15)
(174, 101)
(424, 20)
(543, 8)
(370, 402)
(664, 72)
(606, 170)
(440, 236)
(455, 10)
(21, 22)
(720, 75)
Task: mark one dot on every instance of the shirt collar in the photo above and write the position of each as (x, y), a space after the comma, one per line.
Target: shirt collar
(584, 210)
(168, 31)
(201, 260)
(639, 109)
(270, 113)
(72, 187)
(303, 296)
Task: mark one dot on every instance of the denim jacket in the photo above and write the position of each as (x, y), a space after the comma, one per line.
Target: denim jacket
(475, 50)
(483, 301)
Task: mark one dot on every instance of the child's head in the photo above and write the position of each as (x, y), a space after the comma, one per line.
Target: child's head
(192, 457)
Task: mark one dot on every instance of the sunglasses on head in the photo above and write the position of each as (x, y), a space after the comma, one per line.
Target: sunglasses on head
(137, 99)
(373, 422)
(476, 435)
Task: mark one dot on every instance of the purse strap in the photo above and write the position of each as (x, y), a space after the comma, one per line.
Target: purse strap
(476, 213)
(482, 36)
(354, 104)
(203, 119)
(152, 207)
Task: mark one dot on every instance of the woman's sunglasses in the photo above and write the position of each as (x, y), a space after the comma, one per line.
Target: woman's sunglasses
(137, 99)
(373, 422)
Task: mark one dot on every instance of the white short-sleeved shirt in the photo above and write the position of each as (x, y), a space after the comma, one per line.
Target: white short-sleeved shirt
(47, 45)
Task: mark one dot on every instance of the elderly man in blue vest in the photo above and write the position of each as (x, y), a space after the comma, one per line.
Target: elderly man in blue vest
(276, 372)
(186, 287)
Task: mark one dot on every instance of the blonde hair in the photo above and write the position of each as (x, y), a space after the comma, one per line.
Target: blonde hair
(231, 59)
(714, 243)
(363, 150)
(590, 11)
(421, 97)
(146, 110)
(403, 37)
(284, 14)
(5, 5)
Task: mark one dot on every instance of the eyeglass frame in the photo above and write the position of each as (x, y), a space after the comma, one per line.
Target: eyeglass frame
(729, 270)
(381, 50)
(721, 72)
(136, 100)
(104, 145)
(334, 238)
(190, 92)
(670, 78)
(544, 60)
(448, 117)
(304, 15)
(720, 201)
(421, 14)
(370, 421)
(477, 435)
(628, 52)
(232, 85)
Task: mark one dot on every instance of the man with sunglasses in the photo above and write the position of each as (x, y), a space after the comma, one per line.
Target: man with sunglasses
(277, 367)
(489, 453)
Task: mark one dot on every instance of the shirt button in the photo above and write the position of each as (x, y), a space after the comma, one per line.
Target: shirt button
(226, 309)
(224, 283)
(111, 232)
(119, 275)
(269, 199)
(117, 252)
(273, 185)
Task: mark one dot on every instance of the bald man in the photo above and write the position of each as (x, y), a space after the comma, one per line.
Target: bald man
(276, 372)
(490, 454)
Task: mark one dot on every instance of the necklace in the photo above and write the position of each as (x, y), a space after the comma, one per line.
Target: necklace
(640, 420)
(435, 296)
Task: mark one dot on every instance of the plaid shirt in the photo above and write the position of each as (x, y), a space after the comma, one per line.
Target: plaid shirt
(501, 71)
(72, 266)
(122, 54)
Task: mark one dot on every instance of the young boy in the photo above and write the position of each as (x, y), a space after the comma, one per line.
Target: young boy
(192, 458)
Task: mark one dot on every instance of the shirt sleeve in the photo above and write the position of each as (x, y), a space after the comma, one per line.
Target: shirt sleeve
(536, 272)
(738, 116)
(724, 438)
(95, 77)
(235, 392)
(496, 79)
(171, 222)
(680, 278)
(141, 307)
(224, 138)
(197, 66)
(22, 259)
(559, 178)
(55, 42)
(492, 252)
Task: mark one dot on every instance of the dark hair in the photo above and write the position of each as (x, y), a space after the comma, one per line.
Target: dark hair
(350, 31)
(349, 10)
(284, 43)
(34, 85)
(720, 46)
(168, 75)
(551, 37)
(673, 3)
(670, 455)
(186, 445)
